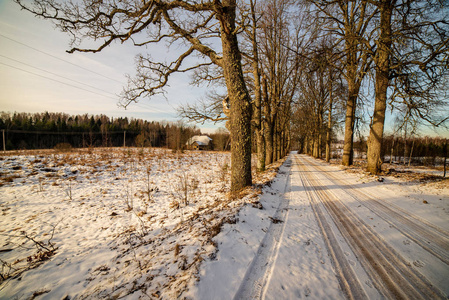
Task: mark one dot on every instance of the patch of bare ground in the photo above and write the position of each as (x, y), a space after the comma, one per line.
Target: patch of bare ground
(441, 183)
(414, 174)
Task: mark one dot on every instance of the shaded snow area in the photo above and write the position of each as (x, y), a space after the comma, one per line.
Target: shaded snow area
(111, 223)
(149, 224)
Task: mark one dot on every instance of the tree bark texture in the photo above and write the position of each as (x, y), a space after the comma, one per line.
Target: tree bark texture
(357, 63)
(320, 133)
(260, 143)
(329, 121)
(240, 103)
(382, 60)
(348, 151)
(268, 124)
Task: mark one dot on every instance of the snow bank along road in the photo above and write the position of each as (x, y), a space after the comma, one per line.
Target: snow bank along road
(336, 236)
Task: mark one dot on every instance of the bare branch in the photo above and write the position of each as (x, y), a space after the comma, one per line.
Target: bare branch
(210, 109)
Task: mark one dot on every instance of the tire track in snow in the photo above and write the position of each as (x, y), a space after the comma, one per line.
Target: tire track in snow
(348, 281)
(430, 237)
(258, 274)
(387, 269)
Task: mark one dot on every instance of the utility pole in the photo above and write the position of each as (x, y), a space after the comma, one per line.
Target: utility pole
(4, 144)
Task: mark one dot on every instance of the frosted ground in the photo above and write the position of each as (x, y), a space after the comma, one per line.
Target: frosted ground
(150, 223)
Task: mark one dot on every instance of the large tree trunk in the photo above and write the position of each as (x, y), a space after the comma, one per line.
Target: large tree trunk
(268, 124)
(382, 60)
(348, 151)
(356, 64)
(276, 141)
(320, 132)
(260, 143)
(269, 143)
(240, 103)
(329, 127)
(309, 145)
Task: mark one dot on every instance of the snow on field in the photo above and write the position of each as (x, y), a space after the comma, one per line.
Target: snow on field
(109, 223)
(150, 223)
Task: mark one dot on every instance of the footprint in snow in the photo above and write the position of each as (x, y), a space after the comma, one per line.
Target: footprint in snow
(418, 263)
(307, 291)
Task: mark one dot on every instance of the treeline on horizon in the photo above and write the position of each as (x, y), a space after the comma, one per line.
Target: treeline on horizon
(48, 130)
(416, 149)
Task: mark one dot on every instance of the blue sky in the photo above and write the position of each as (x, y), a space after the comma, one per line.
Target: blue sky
(37, 75)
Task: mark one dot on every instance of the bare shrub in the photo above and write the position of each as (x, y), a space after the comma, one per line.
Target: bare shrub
(129, 201)
(63, 147)
(68, 188)
(150, 190)
(185, 185)
(41, 184)
(45, 249)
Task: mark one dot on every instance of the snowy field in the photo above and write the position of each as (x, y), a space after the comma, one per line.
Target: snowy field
(109, 223)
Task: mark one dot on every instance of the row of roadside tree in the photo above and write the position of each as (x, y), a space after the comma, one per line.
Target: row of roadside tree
(279, 70)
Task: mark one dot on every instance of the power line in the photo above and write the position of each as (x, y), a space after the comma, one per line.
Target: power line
(141, 105)
(91, 86)
(147, 106)
(61, 59)
(52, 79)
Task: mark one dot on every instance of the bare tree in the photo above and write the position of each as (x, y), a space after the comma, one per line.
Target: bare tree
(255, 63)
(272, 35)
(279, 43)
(320, 89)
(411, 57)
(351, 23)
(382, 62)
(191, 24)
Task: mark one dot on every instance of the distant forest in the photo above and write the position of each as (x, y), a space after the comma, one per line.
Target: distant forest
(49, 130)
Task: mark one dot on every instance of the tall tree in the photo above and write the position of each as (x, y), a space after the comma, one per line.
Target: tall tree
(351, 23)
(184, 23)
(411, 58)
(382, 68)
(255, 63)
(280, 33)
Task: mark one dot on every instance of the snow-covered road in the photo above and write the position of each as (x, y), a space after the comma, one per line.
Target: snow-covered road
(393, 272)
(336, 235)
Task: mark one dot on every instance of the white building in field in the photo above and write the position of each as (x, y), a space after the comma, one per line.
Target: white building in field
(200, 142)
